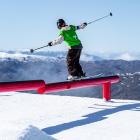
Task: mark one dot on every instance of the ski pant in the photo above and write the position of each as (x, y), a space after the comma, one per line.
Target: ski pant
(73, 65)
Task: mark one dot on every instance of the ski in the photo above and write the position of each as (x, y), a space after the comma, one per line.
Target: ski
(87, 77)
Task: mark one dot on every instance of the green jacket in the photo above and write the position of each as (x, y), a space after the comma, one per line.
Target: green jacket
(68, 34)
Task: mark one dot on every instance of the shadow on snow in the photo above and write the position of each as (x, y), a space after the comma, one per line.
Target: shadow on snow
(91, 118)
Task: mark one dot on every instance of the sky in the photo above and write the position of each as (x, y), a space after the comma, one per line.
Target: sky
(27, 24)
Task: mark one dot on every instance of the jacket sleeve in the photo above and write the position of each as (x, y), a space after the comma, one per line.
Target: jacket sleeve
(82, 26)
(58, 40)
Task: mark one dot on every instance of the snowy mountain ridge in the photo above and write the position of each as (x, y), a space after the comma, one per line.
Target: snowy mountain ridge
(62, 55)
(44, 55)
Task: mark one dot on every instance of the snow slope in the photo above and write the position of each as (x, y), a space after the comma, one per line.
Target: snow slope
(25, 116)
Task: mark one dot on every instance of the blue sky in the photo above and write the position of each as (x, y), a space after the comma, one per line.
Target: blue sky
(29, 24)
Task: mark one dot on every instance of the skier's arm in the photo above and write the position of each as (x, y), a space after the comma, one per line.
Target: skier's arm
(58, 40)
(82, 26)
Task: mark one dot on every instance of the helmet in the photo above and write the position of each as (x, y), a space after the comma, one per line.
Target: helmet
(60, 22)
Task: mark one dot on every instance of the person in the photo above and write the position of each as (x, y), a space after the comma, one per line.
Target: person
(68, 34)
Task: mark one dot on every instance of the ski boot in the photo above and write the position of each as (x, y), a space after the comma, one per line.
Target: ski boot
(71, 78)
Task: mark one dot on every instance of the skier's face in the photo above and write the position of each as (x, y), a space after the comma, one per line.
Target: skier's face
(63, 25)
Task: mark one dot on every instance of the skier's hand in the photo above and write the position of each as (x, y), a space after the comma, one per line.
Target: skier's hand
(85, 24)
(82, 26)
(50, 43)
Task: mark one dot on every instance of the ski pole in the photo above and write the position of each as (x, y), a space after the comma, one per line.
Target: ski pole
(32, 50)
(110, 14)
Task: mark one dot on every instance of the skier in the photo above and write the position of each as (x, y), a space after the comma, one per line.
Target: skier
(68, 34)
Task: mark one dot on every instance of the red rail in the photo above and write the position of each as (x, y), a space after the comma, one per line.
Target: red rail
(21, 85)
(61, 86)
(43, 88)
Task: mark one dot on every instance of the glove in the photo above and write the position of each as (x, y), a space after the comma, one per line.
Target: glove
(85, 24)
(50, 43)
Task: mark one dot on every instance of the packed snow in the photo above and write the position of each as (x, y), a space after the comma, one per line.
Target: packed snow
(33, 133)
(25, 116)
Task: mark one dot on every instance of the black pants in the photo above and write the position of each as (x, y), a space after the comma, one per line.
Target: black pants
(73, 58)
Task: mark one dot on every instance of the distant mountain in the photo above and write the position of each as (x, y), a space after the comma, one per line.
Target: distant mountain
(120, 56)
(85, 56)
(51, 67)
(46, 54)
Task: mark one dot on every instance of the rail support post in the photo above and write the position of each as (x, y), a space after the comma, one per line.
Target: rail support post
(107, 91)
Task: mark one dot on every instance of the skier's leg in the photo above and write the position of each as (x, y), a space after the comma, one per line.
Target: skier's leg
(74, 67)
(71, 62)
(78, 66)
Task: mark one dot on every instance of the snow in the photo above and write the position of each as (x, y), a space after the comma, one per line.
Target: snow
(25, 116)
(127, 57)
(27, 133)
(33, 133)
(56, 55)
(24, 56)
